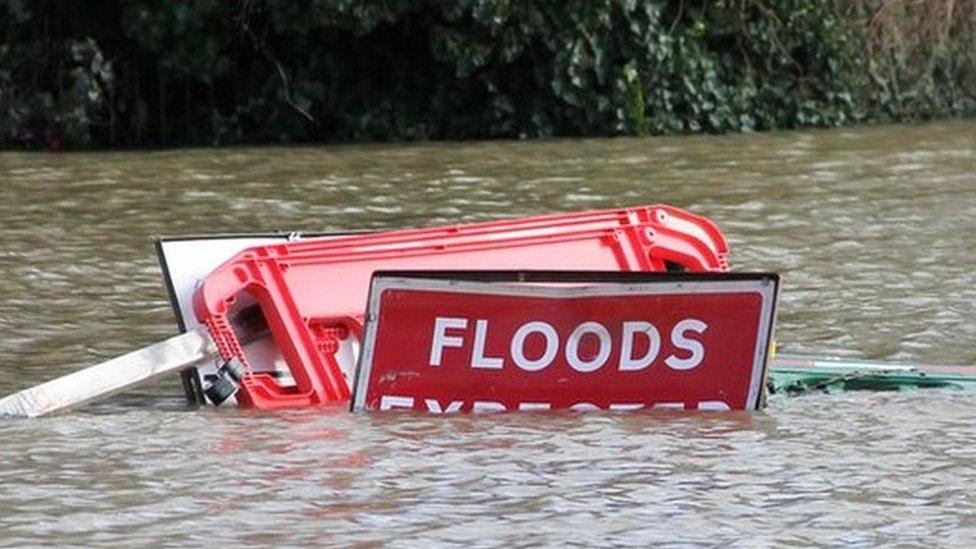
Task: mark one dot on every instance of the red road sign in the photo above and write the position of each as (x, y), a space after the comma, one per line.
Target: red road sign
(645, 341)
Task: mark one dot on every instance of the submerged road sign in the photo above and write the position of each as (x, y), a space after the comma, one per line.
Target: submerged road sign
(452, 343)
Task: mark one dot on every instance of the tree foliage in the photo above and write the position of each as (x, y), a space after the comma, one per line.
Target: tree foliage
(143, 72)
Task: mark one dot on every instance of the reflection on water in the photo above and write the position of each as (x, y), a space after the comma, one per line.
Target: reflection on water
(871, 228)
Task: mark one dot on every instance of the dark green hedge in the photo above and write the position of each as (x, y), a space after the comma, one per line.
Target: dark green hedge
(141, 72)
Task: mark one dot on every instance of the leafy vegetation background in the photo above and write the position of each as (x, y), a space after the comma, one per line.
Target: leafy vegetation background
(148, 73)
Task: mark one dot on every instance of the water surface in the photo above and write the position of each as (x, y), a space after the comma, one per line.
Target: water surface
(871, 228)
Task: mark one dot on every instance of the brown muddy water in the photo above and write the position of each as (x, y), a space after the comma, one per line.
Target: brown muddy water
(873, 230)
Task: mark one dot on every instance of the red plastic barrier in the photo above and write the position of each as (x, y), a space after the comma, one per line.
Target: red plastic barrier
(314, 292)
(661, 215)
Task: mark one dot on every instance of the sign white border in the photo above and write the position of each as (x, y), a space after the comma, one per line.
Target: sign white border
(763, 284)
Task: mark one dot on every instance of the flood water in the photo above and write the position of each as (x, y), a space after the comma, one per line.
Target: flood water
(872, 229)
